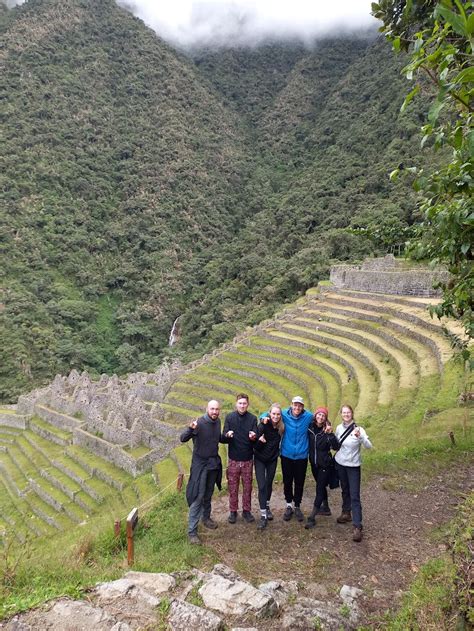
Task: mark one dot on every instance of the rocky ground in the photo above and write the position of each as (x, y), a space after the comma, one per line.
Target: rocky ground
(286, 576)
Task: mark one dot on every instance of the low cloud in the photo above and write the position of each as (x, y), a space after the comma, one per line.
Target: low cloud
(248, 22)
(243, 22)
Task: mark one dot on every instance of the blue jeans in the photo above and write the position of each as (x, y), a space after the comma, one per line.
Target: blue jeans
(201, 507)
(350, 486)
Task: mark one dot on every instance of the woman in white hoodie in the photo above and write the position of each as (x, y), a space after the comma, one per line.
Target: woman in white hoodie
(348, 460)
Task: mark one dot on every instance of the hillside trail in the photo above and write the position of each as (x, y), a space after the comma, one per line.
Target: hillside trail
(402, 531)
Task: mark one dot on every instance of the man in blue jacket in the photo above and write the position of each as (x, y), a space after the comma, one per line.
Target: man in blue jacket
(294, 456)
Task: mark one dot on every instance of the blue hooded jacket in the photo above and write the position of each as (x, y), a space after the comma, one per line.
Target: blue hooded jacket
(294, 443)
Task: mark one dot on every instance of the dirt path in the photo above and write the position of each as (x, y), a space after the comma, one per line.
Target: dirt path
(401, 532)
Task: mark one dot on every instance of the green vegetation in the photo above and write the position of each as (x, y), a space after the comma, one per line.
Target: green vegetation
(140, 184)
(438, 37)
(441, 596)
(68, 564)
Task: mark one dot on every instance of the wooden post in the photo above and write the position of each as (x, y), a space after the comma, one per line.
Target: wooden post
(117, 526)
(132, 521)
(179, 481)
(451, 436)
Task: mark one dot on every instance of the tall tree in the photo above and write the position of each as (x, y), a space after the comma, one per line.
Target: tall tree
(438, 37)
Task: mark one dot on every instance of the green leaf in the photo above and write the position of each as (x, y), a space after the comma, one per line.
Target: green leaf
(409, 97)
(457, 22)
(394, 175)
(465, 247)
(435, 110)
(470, 24)
(465, 76)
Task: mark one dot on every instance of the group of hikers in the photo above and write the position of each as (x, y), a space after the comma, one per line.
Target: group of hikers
(295, 435)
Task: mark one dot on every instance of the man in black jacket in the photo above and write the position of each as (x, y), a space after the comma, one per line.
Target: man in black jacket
(206, 468)
(240, 432)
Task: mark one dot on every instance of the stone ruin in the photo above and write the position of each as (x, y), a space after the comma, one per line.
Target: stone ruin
(387, 275)
(110, 414)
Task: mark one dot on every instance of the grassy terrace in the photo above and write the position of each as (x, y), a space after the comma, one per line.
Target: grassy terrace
(384, 360)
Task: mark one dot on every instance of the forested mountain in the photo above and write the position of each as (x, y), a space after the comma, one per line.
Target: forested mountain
(141, 183)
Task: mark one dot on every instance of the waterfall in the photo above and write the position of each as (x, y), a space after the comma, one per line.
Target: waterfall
(173, 338)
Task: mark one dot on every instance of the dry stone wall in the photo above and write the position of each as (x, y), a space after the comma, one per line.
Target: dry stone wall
(387, 276)
(107, 416)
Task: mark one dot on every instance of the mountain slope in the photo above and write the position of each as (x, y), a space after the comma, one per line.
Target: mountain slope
(119, 164)
(141, 184)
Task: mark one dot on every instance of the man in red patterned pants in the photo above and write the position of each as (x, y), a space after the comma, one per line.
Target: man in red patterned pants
(240, 432)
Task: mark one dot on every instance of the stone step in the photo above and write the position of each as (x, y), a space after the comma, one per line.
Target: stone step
(217, 376)
(322, 359)
(406, 358)
(60, 420)
(50, 432)
(95, 488)
(17, 511)
(412, 301)
(429, 355)
(179, 416)
(367, 371)
(326, 375)
(98, 468)
(380, 360)
(366, 385)
(48, 493)
(416, 306)
(275, 391)
(46, 513)
(428, 329)
(296, 378)
(183, 455)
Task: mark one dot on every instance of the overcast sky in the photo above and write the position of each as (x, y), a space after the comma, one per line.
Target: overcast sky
(189, 22)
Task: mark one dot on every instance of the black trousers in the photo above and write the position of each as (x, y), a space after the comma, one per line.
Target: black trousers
(294, 474)
(321, 477)
(265, 473)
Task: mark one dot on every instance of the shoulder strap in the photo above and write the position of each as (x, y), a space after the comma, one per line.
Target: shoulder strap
(346, 433)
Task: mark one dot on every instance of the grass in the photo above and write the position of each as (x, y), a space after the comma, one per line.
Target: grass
(411, 444)
(167, 471)
(69, 564)
(441, 596)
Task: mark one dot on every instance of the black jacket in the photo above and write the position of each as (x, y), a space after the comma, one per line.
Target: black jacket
(320, 445)
(267, 452)
(240, 445)
(205, 453)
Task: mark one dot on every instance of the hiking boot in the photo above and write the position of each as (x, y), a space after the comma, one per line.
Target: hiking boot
(298, 514)
(310, 522)
(232, 517)
(209, 523)
(269, 514)
(344, 517)
(194, 540)
(324, 510)
(357, 534)
(262, 523)
(288, 514)
(247, 516)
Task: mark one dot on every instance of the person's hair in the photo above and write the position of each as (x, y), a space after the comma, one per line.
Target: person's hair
(242, 396)
(281, 424)
(345, 405)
